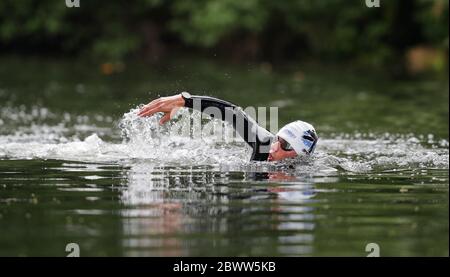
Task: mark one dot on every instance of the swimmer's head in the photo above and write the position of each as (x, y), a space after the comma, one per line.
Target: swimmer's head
(297, 138)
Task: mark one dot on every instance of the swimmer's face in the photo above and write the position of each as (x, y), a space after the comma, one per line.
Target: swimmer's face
(277, 152)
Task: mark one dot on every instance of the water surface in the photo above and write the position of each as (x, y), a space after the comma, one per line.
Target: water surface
(76, 165)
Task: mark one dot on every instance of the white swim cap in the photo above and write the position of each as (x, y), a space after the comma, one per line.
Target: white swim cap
(300, 135)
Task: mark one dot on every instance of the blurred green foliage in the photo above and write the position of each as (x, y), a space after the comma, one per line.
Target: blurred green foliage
(336, 30)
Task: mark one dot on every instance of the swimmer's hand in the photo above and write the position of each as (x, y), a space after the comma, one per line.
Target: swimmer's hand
(168, 105)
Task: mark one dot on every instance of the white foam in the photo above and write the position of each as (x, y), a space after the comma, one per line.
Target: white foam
(144, 139)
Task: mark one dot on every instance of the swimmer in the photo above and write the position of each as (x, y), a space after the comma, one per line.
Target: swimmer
(297, 138)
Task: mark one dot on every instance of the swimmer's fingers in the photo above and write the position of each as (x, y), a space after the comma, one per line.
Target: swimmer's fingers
(142, 111)
(145, 109)
(149, 106)
(163, 104)
(168, 116)
(165, 118)
(150, 111)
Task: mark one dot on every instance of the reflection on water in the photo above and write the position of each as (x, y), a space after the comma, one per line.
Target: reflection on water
(182, 211)
(67, 174)
(60, 184)
(152, 210)
(140, 208)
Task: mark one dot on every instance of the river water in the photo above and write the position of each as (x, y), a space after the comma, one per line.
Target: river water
(78, 166)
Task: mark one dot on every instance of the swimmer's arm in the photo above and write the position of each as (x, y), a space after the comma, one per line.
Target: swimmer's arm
(203, 103)
(169, 105)
(245, 126)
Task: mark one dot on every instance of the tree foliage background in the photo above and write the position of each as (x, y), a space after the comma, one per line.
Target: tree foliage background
(278, 31)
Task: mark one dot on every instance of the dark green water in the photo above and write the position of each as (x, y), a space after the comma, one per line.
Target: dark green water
(380, 173)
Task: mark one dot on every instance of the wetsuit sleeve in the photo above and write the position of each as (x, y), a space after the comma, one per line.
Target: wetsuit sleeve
(247, 128)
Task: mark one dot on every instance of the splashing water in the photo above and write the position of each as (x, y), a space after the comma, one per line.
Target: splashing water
(143, 139)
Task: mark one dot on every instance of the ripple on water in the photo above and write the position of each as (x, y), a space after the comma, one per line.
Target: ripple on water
(145, 140)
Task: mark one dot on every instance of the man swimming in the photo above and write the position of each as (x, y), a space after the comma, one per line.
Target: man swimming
(297, 138)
